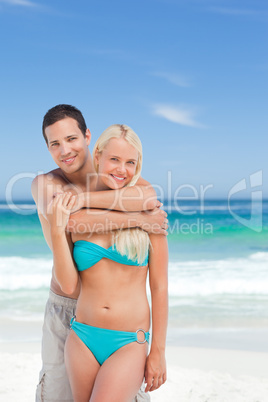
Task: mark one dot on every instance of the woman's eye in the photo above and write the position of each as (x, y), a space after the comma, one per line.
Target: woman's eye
(114, 159)
(131, 162)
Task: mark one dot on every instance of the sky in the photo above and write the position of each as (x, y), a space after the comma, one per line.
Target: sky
(189, 76)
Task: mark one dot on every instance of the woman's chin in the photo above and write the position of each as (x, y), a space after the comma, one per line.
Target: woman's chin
(116, 186)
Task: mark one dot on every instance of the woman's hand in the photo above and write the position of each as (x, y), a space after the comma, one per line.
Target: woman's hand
(59, 210)
(155, 370)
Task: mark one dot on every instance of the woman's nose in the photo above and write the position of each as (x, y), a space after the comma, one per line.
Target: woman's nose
(121, 168)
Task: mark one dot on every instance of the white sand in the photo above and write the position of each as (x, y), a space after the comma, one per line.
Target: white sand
(19, 376)
(212, 375)
(194, 375)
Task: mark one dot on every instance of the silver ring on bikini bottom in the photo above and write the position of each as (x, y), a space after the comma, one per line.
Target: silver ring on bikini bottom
(142, 330)
(73, 319)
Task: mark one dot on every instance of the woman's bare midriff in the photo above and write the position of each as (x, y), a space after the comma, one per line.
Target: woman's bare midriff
(113, 295)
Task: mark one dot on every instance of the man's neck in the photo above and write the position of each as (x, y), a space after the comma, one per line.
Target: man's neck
(84, 179)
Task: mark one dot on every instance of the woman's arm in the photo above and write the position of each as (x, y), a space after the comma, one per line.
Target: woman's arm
(64, 268)
(155, 369)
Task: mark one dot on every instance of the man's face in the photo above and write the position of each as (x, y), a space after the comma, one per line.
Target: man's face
(67, 145)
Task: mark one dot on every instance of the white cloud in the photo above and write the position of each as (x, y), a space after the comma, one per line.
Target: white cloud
(175, 79)
(177, 114)
(19, 3)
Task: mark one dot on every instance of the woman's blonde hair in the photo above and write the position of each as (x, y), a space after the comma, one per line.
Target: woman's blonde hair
(135, 242)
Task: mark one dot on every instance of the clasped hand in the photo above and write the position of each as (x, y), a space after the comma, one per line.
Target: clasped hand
(59, 210)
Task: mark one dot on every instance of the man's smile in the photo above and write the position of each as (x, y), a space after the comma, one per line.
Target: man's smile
(68, 161)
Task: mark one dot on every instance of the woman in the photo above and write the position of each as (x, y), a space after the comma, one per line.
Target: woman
(106, 351)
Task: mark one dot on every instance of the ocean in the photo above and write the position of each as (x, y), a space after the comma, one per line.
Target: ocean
(218, 273)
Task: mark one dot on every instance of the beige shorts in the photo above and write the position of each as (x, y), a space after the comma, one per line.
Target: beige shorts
(53, 380)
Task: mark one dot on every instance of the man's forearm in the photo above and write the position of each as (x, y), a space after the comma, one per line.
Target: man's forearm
(99, 221)
(129, 199)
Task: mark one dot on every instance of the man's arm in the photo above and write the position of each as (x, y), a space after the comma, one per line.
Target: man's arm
(45, 186)
(141, 197)
(99, 221)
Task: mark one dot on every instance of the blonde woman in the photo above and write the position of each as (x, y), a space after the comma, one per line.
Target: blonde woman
(106, 351)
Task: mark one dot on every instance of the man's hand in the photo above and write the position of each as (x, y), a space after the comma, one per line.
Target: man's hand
(58, 211)
(154, 221)
(155, 371)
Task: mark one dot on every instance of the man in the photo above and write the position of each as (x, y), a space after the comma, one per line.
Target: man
(67, 139)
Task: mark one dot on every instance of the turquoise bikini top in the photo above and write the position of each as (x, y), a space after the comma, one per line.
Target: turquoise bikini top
(86, 254)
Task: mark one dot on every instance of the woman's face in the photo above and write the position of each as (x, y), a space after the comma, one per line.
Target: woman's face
(117, 164)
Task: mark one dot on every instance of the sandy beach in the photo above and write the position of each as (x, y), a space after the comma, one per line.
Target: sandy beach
(194, 374)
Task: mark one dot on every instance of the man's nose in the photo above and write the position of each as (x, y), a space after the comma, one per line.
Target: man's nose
(64, 148)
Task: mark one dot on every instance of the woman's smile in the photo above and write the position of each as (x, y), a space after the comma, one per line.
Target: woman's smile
(118, 177)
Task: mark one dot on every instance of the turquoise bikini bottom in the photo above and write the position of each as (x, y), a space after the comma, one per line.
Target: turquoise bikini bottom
(104, 342)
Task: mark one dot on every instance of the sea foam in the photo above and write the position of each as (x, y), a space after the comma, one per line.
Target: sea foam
(233, 276)
(24, 273)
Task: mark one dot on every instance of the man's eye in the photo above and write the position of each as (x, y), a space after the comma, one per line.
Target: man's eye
(114, 159)
(73, 138)
(54, 144)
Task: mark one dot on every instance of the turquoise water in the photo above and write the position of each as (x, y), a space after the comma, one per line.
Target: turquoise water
(218, 270)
